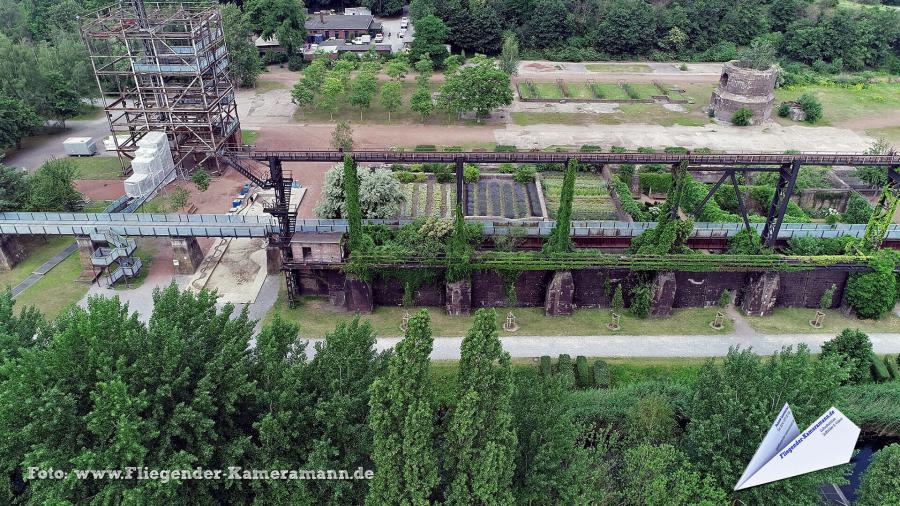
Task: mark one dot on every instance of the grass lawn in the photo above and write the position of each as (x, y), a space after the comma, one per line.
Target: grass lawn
(796, 321)
(265, 86)
(645, 90)
(40, 253)
(97, 167)
(618, 67)
(249, 136)
(891, 134)
(846, 103)
(57, 289)
(316, 316)
(548, 90)
(580, 90)
(610, 91)
(88, 113)
(376, 114)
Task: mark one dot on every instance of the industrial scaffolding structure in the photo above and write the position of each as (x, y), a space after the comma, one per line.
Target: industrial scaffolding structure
(163, 66)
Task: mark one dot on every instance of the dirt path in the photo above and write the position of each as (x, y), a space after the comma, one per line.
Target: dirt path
(885, 119)
(318, 136)
(100, 189)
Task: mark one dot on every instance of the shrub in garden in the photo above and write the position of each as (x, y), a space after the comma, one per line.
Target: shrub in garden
(629, 205)
(626, 172)
(590, 148)
(891, 365)
(505, 148)
(811, 106)
(854, 352)
(618, 302)
(565, 370)
(872, 294)
(524, 174)
(646, 149)
(453, 149)
(676, 149)
(546, 366)
(859, 210)
(659, 182)
(471, 174)
(724, 298)
(426, 148)
(742, 117)
(827, 299)
(506, 168)
(582, 372)
(617, 149)
(879, 370)
(745, 243)
(784, 110)
(443, 174)
(602, 376)
(640, 301)
(405, 177)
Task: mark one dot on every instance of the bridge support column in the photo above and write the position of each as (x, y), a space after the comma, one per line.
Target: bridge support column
(12, 251)
(86, 249)
(560, 293)
(663, 294)
(760, 294)
(274, 258)
(459, 297)
(186, 255)
(358, 295)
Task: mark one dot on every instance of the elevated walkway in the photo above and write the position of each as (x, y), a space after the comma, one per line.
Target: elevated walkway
(128, 224)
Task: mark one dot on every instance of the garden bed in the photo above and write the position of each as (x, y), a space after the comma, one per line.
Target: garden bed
(501, 197)
(591, 202)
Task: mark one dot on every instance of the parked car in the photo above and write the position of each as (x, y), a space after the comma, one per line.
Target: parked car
(402, 32)
(404, 22)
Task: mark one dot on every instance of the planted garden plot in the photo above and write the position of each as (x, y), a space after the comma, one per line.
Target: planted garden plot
(429, 199)
(591, 201)
(501, 197)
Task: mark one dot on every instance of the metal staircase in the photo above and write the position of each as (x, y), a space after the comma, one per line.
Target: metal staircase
(119, 252)
(250, 169)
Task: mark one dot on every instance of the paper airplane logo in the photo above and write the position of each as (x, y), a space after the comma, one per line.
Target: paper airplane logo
(787, 452)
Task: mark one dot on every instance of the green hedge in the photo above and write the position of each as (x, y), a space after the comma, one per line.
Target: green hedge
(629, 205)
(890, 363)
(602, 376)
(582, 372)
(426, 148)
(879, 371)
(505, 148)
(546, 366)
(565, 369)
(654, 181)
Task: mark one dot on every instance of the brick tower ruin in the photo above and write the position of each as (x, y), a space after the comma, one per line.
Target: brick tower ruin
(744, 87)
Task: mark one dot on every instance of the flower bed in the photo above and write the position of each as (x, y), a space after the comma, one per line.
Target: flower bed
(591, 198)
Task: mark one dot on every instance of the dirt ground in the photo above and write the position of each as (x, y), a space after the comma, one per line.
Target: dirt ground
(100, 189)
(318, 136)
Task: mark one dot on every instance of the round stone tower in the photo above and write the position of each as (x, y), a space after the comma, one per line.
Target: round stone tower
(744, 87)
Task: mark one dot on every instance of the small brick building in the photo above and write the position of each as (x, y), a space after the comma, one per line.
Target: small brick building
(314, 247)
(321, 26)
(744, 87)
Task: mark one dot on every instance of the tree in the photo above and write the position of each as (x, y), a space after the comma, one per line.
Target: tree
(17, 121)
(560, 240)
(873, 294)
(662, 476)
(811, 107)
(853, 350)
(342, 136)
(547, 24)
(52, 188)
(332, 90)
(551, 465)
(200, 177)
(881, 481)
(874, 176)
(425, 67)
(481, 434)
(283, 19)
(509, 55)
(479, 87)
(421, 102)
(362, 90)
(760, 55)
(301, 94)
(391, 98)
(431, 37)
(244, 63)
(618, 302)
(626, 27)
(179, 198)
(384, 7)
(380, 195)
(402, 422)
(314, 74)
(397, 69)
(351, 196)
(14, 192)
(340, 374)
(859, 210)
(63, 101)
(735, 402)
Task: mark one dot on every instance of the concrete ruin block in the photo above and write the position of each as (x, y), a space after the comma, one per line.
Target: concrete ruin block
(741, 87)
(761, 294)
(459, 298)
(358, 295)
(560, 292)
(186, 255)
(86, 249)
(663, 294)
(274, 258)
(12, 251)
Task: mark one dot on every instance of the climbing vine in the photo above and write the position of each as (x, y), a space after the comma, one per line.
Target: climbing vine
(560, 239)
(671, 233)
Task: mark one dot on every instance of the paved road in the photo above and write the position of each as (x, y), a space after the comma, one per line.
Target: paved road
(36, 150)
(447, 348)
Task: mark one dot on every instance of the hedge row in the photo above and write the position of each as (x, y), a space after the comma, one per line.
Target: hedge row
(580, 374)
(619, 189)
(885, 368)
(655, 181)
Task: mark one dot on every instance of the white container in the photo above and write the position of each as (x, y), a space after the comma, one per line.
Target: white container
(366, 39)
(110, 145)
(80, 146)
(154, 140)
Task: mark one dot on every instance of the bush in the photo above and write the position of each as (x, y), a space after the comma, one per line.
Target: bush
(879, 370)
(629, 205)
(443, 174)
(872, 294)
(618, 302)
(891, 365)
(676, 149)
(405, 177)
(524, 174)
(453, 149)
(546, 366)
(659, 182)
(506, 168)
(565, 369)
(880, 483)
(859, 210)
(784, 110)
(590, 148)
(742, 117)
(640, 301)
(425, 148)
(582, 372)
(811, 106)
(602, 377)
(618, 149)
(724, 298)
(471, 174)
(827, 299)
(854, 352)
(505, 148)
(745, 243)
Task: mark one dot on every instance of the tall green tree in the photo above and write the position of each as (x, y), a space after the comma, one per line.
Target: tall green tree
(431, 37)
(332, 91)
(391, 97)
(362, 90)
(735, 402)
(283, 19)
(479, 86)
(244, 63)
(351, 195)
(340, 374)
(664, 476)
(18, 120)
(509, 54)
(63, 102)
(402, 421)
(881, 481)
(52, 188)
(560, 240)
(853, 350)
(481, 435)
(421, 102)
